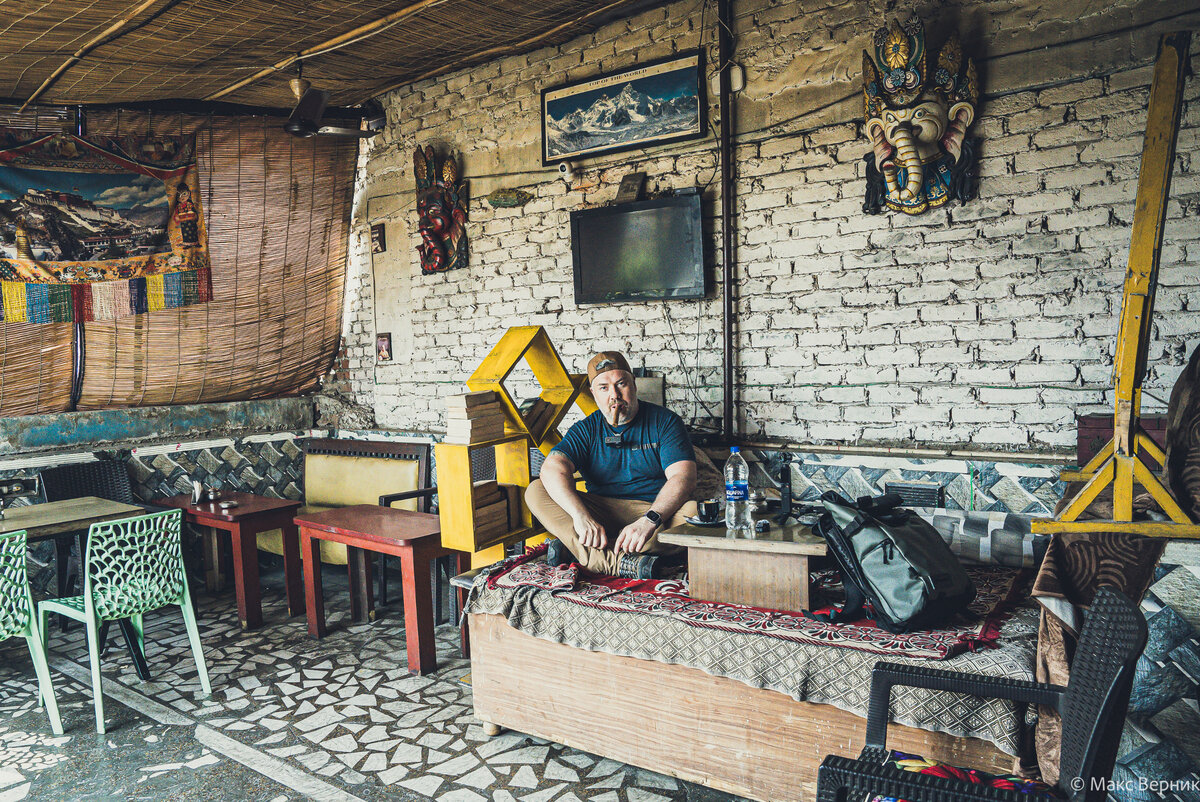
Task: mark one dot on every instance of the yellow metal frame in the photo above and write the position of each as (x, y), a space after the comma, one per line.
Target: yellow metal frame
(456, 502)
(1121, 464)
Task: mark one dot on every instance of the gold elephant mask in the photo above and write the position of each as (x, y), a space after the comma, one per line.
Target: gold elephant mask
(917, 121)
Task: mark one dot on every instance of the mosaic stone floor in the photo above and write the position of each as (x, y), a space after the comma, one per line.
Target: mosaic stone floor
(290, 718)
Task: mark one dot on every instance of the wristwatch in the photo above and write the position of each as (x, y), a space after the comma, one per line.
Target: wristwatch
(654, 517)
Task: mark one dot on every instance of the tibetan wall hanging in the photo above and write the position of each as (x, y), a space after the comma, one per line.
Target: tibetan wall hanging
(918, 110)
(441, 210)
(97, 228)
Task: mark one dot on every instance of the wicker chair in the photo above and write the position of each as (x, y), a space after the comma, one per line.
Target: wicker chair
(106, 478)
(1093, 707)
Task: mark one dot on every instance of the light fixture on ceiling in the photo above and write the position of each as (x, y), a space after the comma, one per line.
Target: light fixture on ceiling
(298, 84)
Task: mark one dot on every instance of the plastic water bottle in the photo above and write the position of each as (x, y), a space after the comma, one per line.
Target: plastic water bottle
(738, 520)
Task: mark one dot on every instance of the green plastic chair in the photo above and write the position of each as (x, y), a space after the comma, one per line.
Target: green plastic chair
(132, 566)
(17, 618)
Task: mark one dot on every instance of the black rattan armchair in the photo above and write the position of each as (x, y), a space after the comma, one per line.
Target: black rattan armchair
(107, 479)
(1093, 707)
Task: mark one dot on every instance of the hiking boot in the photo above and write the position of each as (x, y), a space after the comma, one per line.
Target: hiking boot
(557, 554)
(637, 566)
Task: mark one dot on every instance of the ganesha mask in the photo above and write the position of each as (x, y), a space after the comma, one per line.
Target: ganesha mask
(917, 121)
(442, 211)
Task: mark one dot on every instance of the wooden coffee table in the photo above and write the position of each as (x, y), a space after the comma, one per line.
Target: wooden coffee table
(414, 537)
(252, 515)
(770, 570)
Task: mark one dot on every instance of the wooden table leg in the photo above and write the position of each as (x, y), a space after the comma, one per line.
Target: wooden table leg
(805, 584)
(292, 570)
(464, 565)
(362, 599)
(418, 611)
(212, 559)
(245, 577)
(314, 601)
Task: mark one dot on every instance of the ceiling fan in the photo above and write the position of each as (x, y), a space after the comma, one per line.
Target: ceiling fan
(310, 108)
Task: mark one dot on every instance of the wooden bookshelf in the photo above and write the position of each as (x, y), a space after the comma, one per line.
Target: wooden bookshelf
(456, 488)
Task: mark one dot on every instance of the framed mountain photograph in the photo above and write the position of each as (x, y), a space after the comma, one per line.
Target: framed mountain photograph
(649, 104)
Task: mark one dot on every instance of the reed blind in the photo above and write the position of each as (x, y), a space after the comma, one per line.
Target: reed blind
(278, 213)
(35, 359)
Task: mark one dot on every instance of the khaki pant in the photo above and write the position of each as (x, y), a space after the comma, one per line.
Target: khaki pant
(612, 513)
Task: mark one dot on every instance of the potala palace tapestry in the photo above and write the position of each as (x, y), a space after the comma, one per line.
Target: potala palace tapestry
(96, 228)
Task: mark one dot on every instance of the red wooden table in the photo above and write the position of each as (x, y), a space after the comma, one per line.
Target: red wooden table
(252, 515)
(414, 537)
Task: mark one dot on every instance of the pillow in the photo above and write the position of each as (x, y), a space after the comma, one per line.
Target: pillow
(988, 538)
(1007, 782)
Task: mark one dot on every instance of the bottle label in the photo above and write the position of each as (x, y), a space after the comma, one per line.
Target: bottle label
(737, 491)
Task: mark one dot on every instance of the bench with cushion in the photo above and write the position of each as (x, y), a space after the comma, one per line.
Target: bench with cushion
(340, 473)
(725, 697)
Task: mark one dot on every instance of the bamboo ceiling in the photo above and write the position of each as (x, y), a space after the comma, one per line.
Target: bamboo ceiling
(124, 51)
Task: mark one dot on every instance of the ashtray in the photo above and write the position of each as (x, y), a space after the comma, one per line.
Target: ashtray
(227, 505)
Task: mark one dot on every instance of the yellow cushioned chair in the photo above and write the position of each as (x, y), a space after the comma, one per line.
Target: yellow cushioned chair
(341, 473)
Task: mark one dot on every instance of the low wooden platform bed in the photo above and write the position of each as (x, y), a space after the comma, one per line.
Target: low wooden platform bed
(740, 700)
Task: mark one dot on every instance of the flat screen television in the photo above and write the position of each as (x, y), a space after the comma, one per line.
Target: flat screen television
(639, 251)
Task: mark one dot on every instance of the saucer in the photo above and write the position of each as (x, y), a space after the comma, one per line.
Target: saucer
(697, 522)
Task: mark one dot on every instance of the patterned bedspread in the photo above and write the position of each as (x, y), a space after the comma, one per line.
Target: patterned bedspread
(805, 671)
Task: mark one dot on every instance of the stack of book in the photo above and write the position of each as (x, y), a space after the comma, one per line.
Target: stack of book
(474, 417)
(491, 510)
(536, 412)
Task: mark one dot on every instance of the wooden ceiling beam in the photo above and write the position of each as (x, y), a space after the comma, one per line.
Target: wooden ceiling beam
(88, 47)
(501, 50)
(335, 42)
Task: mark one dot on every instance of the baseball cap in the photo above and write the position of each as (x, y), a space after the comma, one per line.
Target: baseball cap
(604, 362)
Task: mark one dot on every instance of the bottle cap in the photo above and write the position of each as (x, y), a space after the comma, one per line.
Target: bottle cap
(734, 449)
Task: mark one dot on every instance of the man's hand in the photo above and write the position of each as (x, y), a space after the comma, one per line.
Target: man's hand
(634, 536)
(590, 531)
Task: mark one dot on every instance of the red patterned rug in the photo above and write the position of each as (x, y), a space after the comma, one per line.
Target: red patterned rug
(998, 590)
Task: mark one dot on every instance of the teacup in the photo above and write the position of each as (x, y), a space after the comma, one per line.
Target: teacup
(710, 509)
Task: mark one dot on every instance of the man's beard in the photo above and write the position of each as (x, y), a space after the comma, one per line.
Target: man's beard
(618, 415)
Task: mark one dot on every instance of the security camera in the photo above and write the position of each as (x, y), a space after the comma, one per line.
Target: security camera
(566, 172)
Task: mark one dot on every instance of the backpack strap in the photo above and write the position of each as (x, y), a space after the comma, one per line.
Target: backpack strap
(854, 608)
(855, 526)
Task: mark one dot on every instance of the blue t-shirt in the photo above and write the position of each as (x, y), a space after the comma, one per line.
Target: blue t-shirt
(654, 439)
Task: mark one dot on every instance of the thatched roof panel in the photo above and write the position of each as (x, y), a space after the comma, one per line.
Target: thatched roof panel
(198, 49)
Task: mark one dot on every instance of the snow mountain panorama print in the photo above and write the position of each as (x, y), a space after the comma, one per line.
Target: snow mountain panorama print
(621, 114)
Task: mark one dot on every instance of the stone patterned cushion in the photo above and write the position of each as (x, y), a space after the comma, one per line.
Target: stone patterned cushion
(988, 538)
(920, 765)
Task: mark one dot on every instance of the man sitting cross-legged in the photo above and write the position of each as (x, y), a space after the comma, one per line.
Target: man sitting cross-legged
(640, 471)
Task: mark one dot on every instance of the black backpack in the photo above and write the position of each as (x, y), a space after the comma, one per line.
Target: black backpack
(893, 560)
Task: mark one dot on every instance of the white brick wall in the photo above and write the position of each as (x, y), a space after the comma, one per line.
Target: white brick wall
(988, 325)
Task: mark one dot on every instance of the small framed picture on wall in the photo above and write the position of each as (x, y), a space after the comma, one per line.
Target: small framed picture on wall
(383, 346)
